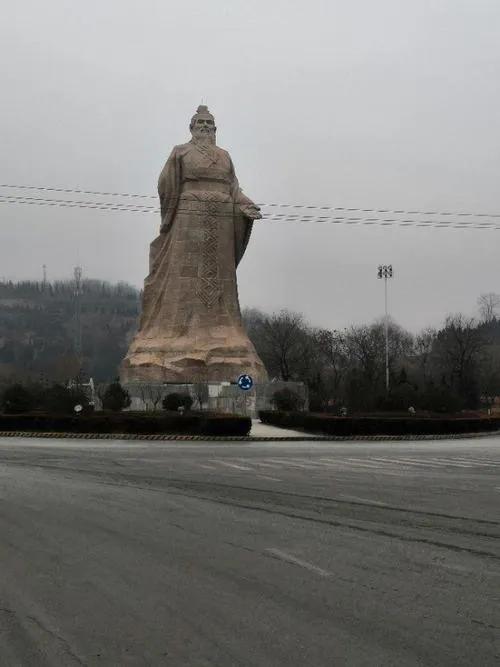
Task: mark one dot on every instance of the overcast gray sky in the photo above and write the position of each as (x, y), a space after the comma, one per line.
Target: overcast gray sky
(353, 103)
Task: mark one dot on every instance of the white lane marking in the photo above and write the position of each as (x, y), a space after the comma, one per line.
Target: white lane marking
(363, 500)
(316, 464)
(356, 468)
(308, 465)
(372, 464)
(288, 558)
(486, 464)
(473, 459)
(439, 461)
(291, 463)
(452, 462)
(260, 463)
(202, 465)
(472, 463)
(230, 465)
(465, 463)
(268, 477)
(328, 460)
(413, 462)
(343, 463)
(453, 568)
(313, 466)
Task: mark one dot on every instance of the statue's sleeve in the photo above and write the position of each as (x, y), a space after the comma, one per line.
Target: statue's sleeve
(169, 189)
(242, 224)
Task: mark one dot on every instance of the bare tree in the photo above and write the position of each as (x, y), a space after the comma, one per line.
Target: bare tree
(200, 388)
(365, 347)
(281, 341)
(100, 390)
(460, 344)
(488, 306)
(334, 356)
(151, 396)
(156, 393)
(424, 346)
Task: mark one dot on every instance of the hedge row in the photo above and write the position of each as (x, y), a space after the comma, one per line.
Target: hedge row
(130, 422)
(330, 425)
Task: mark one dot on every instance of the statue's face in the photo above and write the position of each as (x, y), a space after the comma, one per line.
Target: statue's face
(203, 128)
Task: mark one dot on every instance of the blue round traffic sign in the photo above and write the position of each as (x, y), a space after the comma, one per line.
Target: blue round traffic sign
(245, 382)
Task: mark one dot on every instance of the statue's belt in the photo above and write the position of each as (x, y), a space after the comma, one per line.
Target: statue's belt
(206, 186)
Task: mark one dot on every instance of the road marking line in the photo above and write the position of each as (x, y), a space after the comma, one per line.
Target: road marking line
(484, 464)
(393, 461)
(231, 465)
(259, 463)
(272, 479)
(468, 459)
(312, 465)
(412, 462)
(363, 500)
(475, 463)
(356, 468)
(374, 465)
(452, 462)
(288, 558)
(202, 465)
(290, 463)
(316, 464)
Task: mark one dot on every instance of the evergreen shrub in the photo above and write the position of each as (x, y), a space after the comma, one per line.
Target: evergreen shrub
(286, 400)
(115, 397)
(175, 400)
(325, 424)
(17, 399)
(140, 423)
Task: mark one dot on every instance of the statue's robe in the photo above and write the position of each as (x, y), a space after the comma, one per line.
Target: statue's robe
(190, 328)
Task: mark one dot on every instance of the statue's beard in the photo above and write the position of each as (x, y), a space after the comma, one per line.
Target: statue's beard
(207, 139)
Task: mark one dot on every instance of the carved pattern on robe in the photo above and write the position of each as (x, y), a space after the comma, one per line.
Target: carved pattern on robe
(208, 284)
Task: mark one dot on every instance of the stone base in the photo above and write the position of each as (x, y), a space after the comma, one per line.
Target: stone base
(204, 358)
(214, 396)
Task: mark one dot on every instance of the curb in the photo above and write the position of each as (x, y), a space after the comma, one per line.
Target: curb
(246, 438)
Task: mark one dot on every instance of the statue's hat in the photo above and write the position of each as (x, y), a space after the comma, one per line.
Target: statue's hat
(201, 112)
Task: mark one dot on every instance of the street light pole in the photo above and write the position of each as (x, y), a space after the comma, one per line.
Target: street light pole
(385, 271)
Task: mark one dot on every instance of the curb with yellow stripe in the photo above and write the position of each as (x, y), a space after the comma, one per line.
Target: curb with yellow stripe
(248, 438)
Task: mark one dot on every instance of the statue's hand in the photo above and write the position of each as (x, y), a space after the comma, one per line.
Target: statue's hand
(251, 211)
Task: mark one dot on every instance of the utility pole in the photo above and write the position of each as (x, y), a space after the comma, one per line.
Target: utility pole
(44, 268)
(385, 271)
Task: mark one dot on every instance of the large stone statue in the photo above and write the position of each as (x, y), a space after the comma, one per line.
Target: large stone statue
(191, 329)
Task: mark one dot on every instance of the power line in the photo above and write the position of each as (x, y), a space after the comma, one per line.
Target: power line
(273, 217)
(76, 202)
(67, 203)
(279, 205)
(75, 191)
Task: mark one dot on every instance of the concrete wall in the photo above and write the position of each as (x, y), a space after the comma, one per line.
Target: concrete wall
(216, 397)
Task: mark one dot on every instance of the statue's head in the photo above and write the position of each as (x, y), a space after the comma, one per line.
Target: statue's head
(202, 124)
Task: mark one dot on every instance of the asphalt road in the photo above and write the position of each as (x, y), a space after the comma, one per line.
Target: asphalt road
(259, 554)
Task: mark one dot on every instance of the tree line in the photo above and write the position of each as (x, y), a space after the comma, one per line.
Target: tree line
(454, 367)
(38, 329)
(448, 368)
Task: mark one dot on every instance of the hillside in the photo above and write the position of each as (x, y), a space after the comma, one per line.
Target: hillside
(37, 328)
